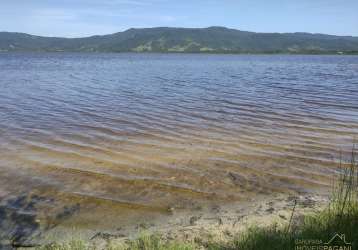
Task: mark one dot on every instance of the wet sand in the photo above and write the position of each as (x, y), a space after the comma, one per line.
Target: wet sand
(214, 222)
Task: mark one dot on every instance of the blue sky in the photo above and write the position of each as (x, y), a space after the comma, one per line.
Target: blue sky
(76, 18)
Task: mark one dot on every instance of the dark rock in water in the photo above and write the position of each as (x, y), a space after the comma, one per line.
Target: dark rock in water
(18, 222)
(107, 236)
(194, 219)
(270, 210)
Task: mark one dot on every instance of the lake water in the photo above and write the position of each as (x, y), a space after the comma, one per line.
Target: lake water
(101, 133)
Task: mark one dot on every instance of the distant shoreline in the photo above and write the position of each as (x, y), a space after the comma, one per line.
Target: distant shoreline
(355, 53)
(211, 40)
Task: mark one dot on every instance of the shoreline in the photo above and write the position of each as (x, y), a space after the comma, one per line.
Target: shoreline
(183, 53)
(220, 223)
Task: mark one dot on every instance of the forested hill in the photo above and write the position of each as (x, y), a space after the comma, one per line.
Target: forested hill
(196, 40)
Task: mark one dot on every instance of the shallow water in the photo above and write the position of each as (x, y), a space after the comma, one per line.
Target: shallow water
(146, 132)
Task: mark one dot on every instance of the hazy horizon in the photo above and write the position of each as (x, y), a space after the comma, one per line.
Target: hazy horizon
(93, 17)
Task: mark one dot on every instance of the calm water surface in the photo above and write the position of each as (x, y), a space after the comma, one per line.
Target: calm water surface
(151, 131)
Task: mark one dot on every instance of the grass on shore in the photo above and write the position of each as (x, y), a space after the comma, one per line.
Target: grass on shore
(340, 217)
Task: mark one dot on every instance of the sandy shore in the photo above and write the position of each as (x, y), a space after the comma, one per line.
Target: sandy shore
(213, 222)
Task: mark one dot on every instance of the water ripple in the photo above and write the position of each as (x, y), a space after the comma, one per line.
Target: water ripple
(147, 131)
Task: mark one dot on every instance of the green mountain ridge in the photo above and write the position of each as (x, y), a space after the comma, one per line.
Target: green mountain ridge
(193, 40)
